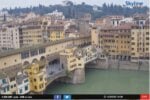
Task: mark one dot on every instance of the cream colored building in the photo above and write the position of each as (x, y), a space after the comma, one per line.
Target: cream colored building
(74, 58)
(9, 38)
(70, 60)
(31, 35)
(55, 15)
(140, 43)
(109, 20)
(94, 36)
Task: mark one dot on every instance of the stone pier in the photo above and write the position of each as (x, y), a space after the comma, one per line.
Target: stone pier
(78, 76)
(75, 77)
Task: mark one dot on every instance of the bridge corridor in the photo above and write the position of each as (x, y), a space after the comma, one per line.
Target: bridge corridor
(53, 68)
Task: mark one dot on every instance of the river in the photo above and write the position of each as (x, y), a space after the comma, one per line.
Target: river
(105, 82)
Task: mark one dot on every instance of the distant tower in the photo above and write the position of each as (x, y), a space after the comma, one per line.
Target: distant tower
(94, 36)
(4, 18)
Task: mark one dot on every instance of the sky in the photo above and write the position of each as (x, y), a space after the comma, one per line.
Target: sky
(28, 3)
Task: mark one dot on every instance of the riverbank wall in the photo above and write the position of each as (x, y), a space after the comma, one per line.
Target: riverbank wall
(120, 65)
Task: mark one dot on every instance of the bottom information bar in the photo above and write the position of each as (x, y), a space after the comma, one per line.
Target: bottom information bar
(79, 96)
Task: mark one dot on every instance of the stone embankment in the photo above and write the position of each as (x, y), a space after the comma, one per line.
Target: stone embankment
(120, 65)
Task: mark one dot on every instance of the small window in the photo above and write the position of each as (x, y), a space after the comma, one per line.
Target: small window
(26, 87)
(147, 38)
(40, 87)
(25, 80)
(20, 90)
(133, 53)
(5, 63)
(147, 33)
(7, 88)
(12, 79)
(4, 81)
(41, 79)
(35, 80)
(133, 43)
(147, 43)
(79, 64)
(35, 87)
(11, 86)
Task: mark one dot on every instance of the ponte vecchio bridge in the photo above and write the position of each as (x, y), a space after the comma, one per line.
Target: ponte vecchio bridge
(28, 55)
(56, 64)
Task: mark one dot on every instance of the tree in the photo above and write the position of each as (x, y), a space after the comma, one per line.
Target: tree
(75, 11)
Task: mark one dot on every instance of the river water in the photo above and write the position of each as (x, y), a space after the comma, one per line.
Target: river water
(105, 82)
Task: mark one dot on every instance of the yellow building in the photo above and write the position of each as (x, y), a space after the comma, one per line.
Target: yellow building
(140, 43)
(113, 41)
(37, 77)
(55, 32)
(31, 35)
(70, 59)
(123, 44)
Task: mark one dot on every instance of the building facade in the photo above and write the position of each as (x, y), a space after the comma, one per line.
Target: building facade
(55, 32)
(31, 35)
(69, 59)
(4, 84)
(55, 15)
(140, 43)
(109, 20)
(9, 38)
(37, 77)
(22, 83)
(113, 41)
(75, 58)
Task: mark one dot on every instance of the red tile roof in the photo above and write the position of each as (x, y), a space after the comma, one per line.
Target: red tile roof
(124, 26)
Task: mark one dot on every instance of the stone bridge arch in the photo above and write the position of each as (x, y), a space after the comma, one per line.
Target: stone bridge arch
(42, 58)
(26, 63)
(56, 77)
(35, 60)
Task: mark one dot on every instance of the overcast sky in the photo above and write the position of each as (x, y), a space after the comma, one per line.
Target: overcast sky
(27, 3)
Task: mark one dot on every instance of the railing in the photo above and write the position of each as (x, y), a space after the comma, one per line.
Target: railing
(92, 57)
